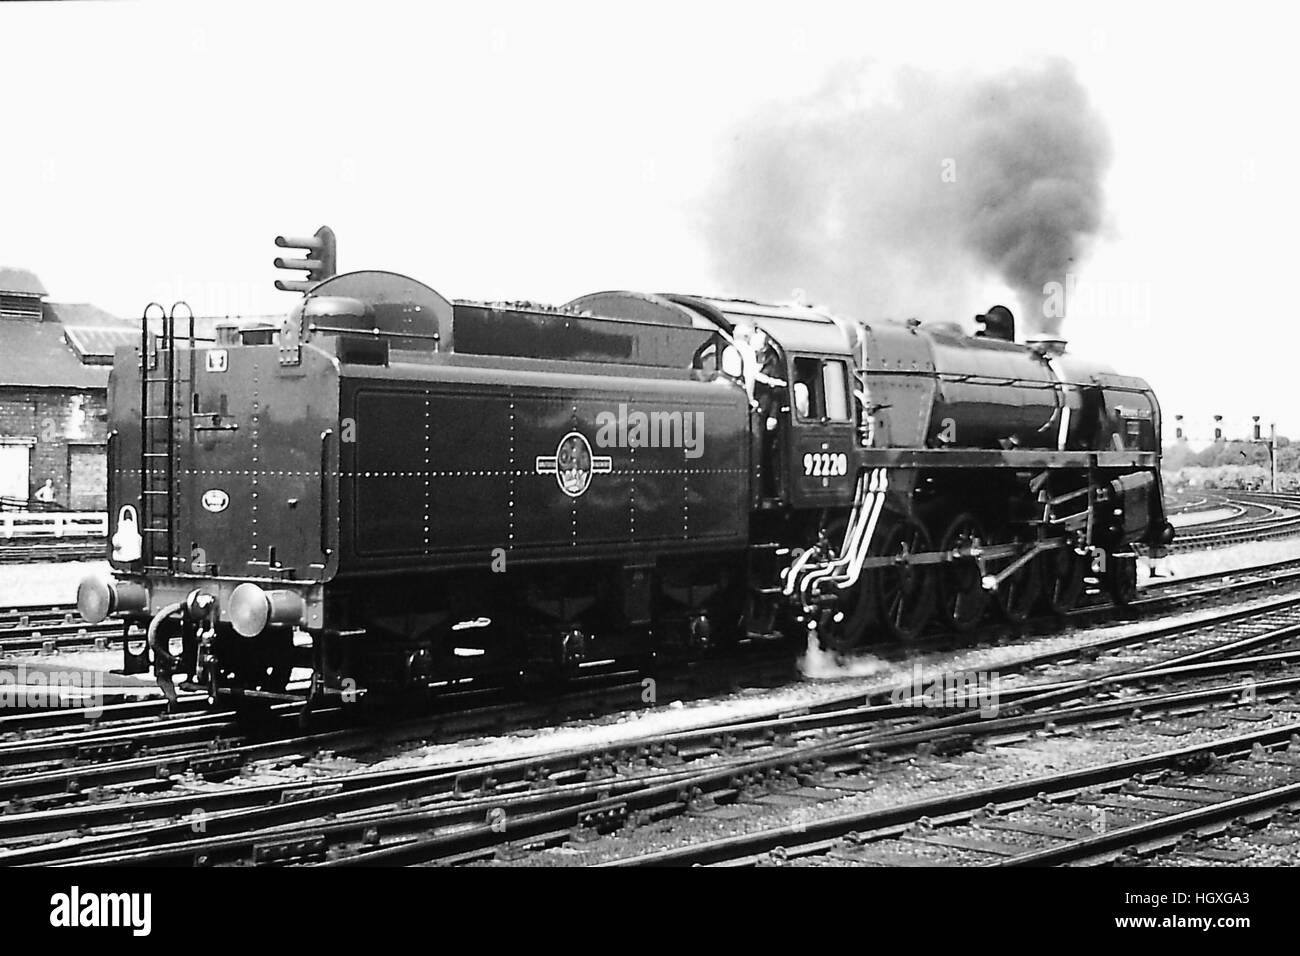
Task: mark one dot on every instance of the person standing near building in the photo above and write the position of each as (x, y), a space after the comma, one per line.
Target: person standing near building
(45, 493)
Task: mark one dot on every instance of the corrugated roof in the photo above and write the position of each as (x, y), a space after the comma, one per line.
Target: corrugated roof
(95, 345)
(20, 281)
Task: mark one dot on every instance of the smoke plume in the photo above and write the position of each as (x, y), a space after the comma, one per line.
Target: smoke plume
(908, 206)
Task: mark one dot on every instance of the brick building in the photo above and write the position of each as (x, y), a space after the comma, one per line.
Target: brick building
(54, 364)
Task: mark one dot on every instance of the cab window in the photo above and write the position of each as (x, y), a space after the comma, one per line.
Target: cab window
(821, 390)
(807, 388)
(835, 387)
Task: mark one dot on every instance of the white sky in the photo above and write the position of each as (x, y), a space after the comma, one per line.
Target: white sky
(543, 150)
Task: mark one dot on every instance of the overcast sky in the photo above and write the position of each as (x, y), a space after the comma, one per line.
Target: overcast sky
(543, 150)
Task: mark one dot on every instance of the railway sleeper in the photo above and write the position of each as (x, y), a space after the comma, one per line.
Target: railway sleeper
(309, 849)
(107, 750)
(599, 821)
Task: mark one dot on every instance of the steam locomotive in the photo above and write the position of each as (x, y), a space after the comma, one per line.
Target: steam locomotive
(392, 490)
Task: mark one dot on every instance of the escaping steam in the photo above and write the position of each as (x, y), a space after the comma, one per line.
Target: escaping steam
(908, 207)
(818, 663)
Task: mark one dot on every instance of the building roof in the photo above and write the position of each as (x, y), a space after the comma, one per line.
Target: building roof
(84, 314)
(37, 355)
(95, 345)
(55, 344)
(20, 282)
(92, 332)
(70, 347)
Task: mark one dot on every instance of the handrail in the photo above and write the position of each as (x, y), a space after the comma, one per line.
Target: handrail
(148, 360)
(111, 483)
(173, 381)
(169, 402)
(324, 492)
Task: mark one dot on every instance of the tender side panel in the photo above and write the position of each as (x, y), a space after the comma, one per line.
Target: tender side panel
(443, 472)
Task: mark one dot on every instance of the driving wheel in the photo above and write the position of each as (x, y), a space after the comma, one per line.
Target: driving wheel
(1064, 571)
(1018, 593)
(961, 597)
(902, 593)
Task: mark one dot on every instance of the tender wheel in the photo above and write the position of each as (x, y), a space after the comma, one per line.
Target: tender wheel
(962, 599)
(902, 594)
(1018, 593)
(1122, 578)
(1064, 571)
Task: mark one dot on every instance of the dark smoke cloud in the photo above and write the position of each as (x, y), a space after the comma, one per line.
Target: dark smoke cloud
(904, 207)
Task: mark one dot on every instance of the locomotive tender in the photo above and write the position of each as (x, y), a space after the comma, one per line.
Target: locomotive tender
(430, 490)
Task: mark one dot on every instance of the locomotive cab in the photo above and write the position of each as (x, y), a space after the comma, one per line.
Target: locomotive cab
(822, 429)
(796, 363)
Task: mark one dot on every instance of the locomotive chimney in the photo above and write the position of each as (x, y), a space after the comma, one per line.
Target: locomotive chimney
(997, 323)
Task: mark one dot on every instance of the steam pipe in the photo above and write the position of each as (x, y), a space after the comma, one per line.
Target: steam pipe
(162, 658)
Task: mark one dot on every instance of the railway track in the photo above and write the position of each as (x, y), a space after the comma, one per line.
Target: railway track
(381, 809)
(48, 638)
(140, 744)
(46, 628)
(1249, 516)
(763, 775)
(134, 769)
(1127, 806)
(1096, 814)
(20, 552)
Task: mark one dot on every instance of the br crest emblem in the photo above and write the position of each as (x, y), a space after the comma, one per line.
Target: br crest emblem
(573, 464)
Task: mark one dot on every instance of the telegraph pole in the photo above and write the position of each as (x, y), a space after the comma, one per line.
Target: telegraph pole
(1272, 455)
